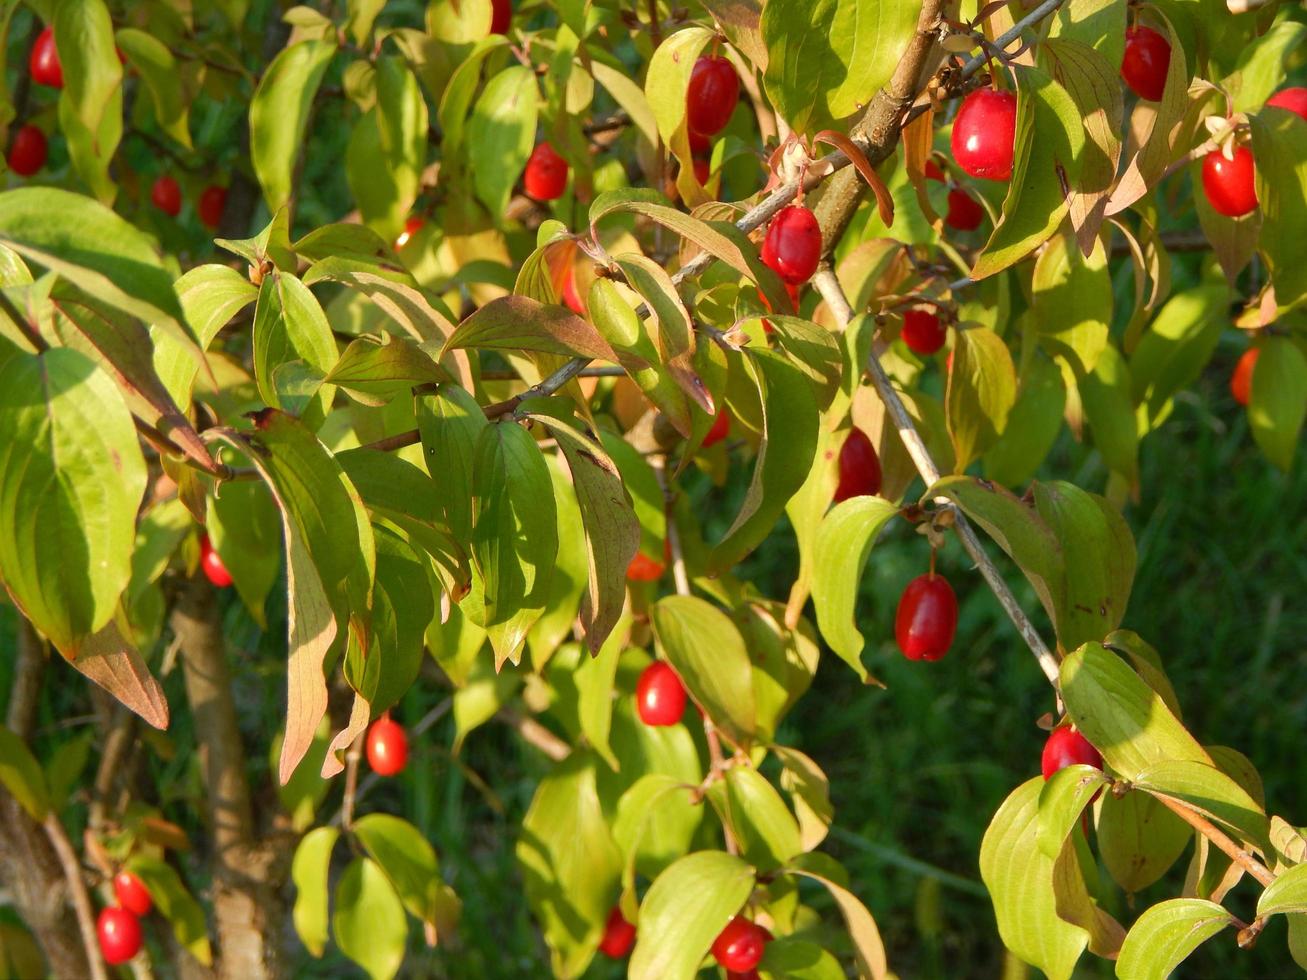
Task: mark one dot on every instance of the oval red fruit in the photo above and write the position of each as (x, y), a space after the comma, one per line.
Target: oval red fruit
(411, 227)
(1147, 57)
(1241, 382)
(933, 172)
(923, 332)
(211, 564)
(740, 945)
(1067, 747)
(721, 427)
(387, 747)
(166, 195)
(710, 99)
(120, 935)
(699, 143)
(619, 935)
(792, 247)
(1229, 184)
(859, 467)
(927, 618)
(644, 569)
(964, 211)
(213, 201)
(28, 151)
(1293, 99)
(659, 695)
(44, 61)
(984, 134)
(132, 893)
(546, 173)
(501, 16)
(702, 171)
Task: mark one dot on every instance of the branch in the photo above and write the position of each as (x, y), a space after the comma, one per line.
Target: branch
(1218, 837)
(535, 734)
(29, 670)
(81, 900)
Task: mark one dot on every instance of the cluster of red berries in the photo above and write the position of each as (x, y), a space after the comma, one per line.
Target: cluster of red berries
(119, 926)
(738, 948)
(166, 195)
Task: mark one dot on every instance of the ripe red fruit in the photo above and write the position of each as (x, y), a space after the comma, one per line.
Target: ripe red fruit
(792, 247)
(922, 332)
(501, 16)
(44, 61)
(1067, 747)
(702, 170)
(740, 945)
(659, 695)
(619, 935)
(720, 428)
(644, 569)
(411, 227)
(213, 201)
(546, 174)
(964, 211)
(984, 134)
(699, 143)
(710, 99)
(927, 618)
(387, 747)
(1241, 382)
(167, 196)
(120, 935)
(211, 564)
(1147, 57)
(28, 151)
(933, 172)
(1293, 99)
(132, 893)
(1228, 184)
(859, 467)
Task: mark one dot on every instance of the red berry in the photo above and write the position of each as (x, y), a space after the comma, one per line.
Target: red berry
(28, 150)
(44, 61)
(1241, 382)
(933, 172)
(740, 945)
(702, 170)
(659, 695)
(411, 227)
(859, 467)
(927, 618)
(167, 196)
(792, 247)
(1147, 57)
(213, 201)
(710, 99)
(1067, 747)
(699, 143)
(644, 569)
(619, 935)
(720, 428)
(120, 935)
(1228, 184)
(132, 893)
(1293, 99)
(984, 134)
(964, 211)
(546, 174)
(501, 16)
(922, 332)
(387, 747)
(211, 564)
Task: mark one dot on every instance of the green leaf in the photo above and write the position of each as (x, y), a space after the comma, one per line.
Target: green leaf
(1072, 303)
(1033, 425)
(708, 653)
(1264, 63)
(421, 315)
(1064, 797)
(244, 530)
(175, 904)
(1212, 793)
(844, 541)
(1035, 202)
(279, 113)
(1122, 716)
(655, 823)
(450, 423)
(21, 775)
(1164, 936)
(1287, 894)
(668, 77)
(982, 387)
(90, 103)
(809, 791)
(362, 14)
(290, 328)
(595, 685)
(518, 323)
(1278, 404)
(1106, 396)
(483, 693)
(158, 70)
(502, 130)
(368, 921)
(826, 59)
(799, 959)
(785, 452)
(570, 863)
(211, 295)
(71, 480)
(1176, 348)
(456, 99)
(766, 830)
(1019, 877)
(867, 944)
(1139, 839)
(376, 371)
(514, 537)
(409, 862)
(387, 150)
(571, 574)
(684, 910)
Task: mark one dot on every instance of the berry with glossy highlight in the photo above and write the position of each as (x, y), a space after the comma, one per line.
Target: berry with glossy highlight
(1294, 99)
(984, 134)
(927, 618)
(792, 247)
(710, 99)
(739, 947)
(44, 61)
(1229, 184)
(387, 747)
(211, 564)
(860, 474)
(923, 332)
(1067, 747)
(132, 893)
(120, 935)
(1147, 57)
(546, 173)
(1241, 382)
(659, 695)
(28, 151)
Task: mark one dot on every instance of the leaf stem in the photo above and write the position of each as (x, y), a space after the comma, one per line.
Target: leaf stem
(1218, 837)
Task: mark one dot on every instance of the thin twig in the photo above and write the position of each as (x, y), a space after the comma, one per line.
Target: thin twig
(77, 888)
(1218, 837)
(535, 734)
(352, 759)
